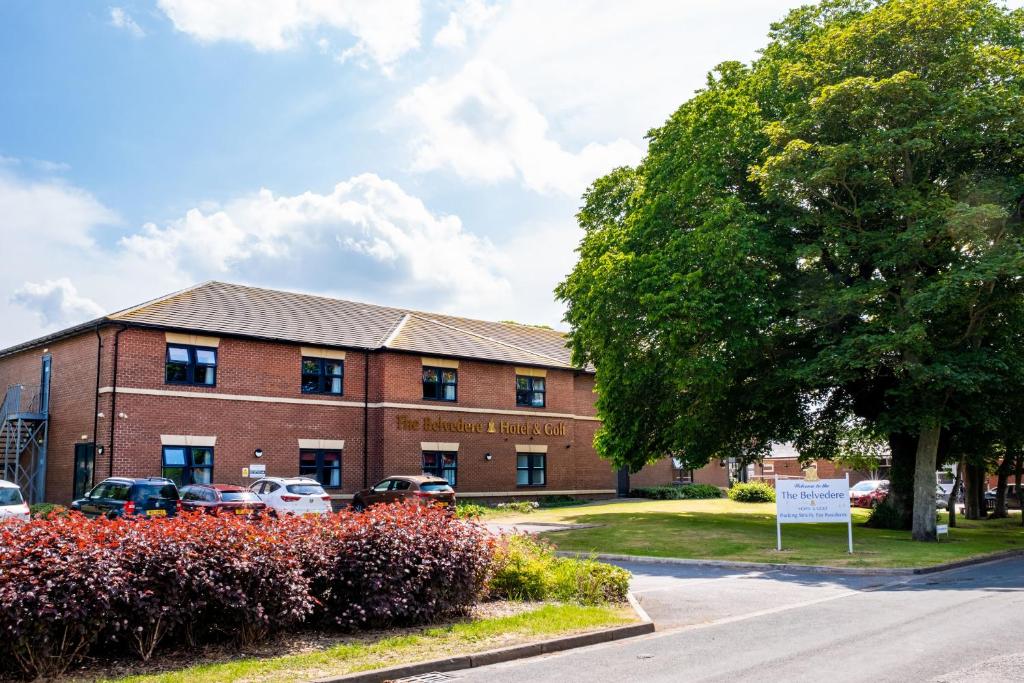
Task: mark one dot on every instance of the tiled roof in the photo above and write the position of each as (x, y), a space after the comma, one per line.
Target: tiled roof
(223, 308)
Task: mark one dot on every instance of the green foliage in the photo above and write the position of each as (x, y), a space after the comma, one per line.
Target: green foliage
(46, 510)
(752, 492)
(521, 506)
(832, 233)
(527, 569)
(885, 516)
(683, 492)
(465, 510)
(559, 502)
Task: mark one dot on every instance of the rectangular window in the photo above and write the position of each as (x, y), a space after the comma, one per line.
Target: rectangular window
(188, 464)
(441, 464)
(190, 365)
(323, 376)
(530, 391)
(439, 384)
(531, 469)
(322, 465)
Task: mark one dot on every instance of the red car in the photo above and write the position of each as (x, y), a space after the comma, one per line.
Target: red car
(869, 493)
(221, 498)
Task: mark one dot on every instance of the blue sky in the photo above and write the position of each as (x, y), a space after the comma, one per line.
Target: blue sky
(426, 154)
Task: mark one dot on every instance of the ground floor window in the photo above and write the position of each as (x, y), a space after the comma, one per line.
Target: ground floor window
(322, 465)
(531, 469)
(188, 464)
(441, 464)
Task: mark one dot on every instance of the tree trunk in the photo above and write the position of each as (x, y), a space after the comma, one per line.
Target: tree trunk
(951, 504)
(1003, 478)
(901, 476)
(971, 508)
(923, 528)
(1017, 478)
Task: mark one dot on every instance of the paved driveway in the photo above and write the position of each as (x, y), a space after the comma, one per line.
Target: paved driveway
(722, 625)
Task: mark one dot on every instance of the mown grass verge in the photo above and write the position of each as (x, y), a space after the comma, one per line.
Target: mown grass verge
(464, 637)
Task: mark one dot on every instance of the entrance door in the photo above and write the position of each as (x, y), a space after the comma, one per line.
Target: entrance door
(623, 482)
(85, 463)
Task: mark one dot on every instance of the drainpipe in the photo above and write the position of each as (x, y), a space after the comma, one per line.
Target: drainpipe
(96, 404)
(113, 400)
(366, 419)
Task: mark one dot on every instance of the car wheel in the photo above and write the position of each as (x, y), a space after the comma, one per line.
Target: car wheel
(358, 506)
(874, 504)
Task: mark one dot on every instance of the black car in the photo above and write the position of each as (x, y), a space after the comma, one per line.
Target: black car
(125, 497)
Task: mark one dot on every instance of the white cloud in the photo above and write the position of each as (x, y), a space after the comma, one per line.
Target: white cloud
(470, 16)
(479, 125)
(367, 234)
(367, 239)
(122, 20)
(57, 302)
(384, 29)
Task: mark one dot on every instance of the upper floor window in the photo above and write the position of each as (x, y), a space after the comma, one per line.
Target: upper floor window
(530, 391)
(188, 464)
(191, 365)
(323, 376)
(440, 384)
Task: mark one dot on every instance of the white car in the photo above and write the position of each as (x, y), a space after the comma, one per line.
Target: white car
(292, 495)
(12, 504)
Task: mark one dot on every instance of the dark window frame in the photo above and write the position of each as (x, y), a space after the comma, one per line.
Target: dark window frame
(531, 391)
(531, 468)
(320, 469)
(189, 468)
(321, 375)
(190, 366)
(440, 469)
(440, 384)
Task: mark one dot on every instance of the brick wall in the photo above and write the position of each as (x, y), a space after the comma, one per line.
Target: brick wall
(144, 407)
(72, 396)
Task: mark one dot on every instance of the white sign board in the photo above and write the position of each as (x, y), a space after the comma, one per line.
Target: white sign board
(799, 501)
(257, 471)
(803, 501)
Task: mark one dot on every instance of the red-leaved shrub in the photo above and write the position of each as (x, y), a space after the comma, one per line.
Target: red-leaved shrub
(69, 585)
(393, 564)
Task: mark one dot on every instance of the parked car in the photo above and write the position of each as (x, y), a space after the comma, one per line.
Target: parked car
(869, 493)
(125, 497)
(1012, 501)
(941, 498)
(221, 498)
(292, 495)
(12, 503)
(422, 489)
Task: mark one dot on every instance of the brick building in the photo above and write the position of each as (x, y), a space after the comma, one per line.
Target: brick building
(206, 382)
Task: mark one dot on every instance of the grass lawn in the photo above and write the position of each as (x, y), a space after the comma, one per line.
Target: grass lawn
(726, 530)
(363, 654)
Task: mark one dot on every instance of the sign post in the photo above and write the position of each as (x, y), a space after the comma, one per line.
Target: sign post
(813, 501)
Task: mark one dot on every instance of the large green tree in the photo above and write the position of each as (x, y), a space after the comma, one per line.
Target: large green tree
(831, 233)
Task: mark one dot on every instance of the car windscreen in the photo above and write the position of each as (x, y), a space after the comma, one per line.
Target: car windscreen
(144, 492)
(10, 496)
(436, 487)
(865, 486)
(306, 489)
(239, 497)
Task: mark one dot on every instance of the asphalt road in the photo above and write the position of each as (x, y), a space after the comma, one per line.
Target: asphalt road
(722, 625)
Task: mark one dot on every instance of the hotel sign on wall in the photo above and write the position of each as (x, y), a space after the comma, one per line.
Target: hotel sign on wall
(461, 426)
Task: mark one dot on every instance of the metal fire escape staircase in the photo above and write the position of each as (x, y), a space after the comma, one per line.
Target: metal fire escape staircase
(23, 438)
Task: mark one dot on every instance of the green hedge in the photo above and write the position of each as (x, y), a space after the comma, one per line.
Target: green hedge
(528, 569)
(678, 492)
(753, 492)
